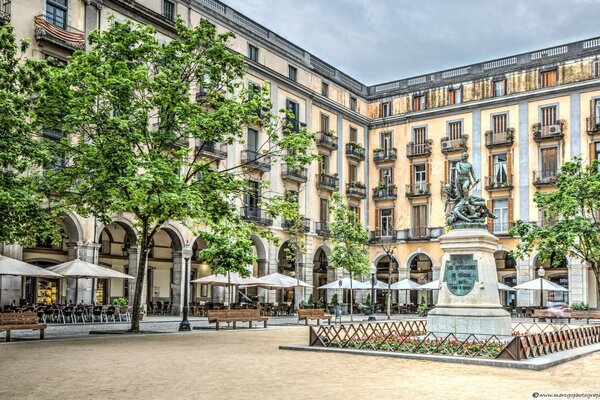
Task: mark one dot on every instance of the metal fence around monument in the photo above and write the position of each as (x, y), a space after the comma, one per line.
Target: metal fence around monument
(528, 341)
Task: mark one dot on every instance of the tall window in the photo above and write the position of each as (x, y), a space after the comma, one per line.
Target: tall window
(353, 135)
(253, 52)
(386, 222)
(58, 157)
(548, 78)
(419, 135)
(293, 108)
(386, 141)
(500, 88)
(548, 116)
(386, 109)
(452, 170)
(252, 198)
(324, 210)
(252, 141)
(499, 123)
(253, 88)
(169, 10)
(418, 103)
(56, 12)
(293, 73)
(500, 210)
(597, 153)
(455, 96)
(386, 176)
(597, 111)
(356, 211)
(596, 69)
(549, 162)
(324, 123)
(324, 164)
(325, 89)
(352, 173)
(419, 222)
(454, 130)
(500, 168)
(420, 182)
(353, 103)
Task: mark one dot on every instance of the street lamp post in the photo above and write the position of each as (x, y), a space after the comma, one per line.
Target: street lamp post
(186, 252)
(541, 272)
(373, 282)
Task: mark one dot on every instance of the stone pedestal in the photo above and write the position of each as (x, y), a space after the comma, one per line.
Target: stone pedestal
(469, 301)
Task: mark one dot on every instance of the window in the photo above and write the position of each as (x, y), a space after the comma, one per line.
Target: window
(418, 103)
(500, 88)
(597, 153)
(420, 178)
(386, 141)
(356, 211)
(548, 78)
(325, 89)
(293, 73)
(455, 130)
(596, 69)
(419, 137)
(353, 135)
(324, 210)
(169, 10)
(548, 116)
(500, 169)
(455, 96)
(386, 222)
(252, 198)
(549, 162)
(324, 123)
(58, 157)
(293, 108)
(386, 176)
(353, 103)
(452, 170)
(253, 88)
(419, 221)
(324, 164)
(500, 210)
(386, 109)
(252, 142)
(352, 173)
(499, 123)
(253, 52)
(596, 111)
(56, 12)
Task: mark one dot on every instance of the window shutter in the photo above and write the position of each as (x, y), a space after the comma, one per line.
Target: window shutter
(509, 167)
(490, 221)
(511, 213)
(427, 172)
(447, 171)
(412, 176)
(377, 218)
(393, 222)
(491, 169)
(592, 152)
(505, 86)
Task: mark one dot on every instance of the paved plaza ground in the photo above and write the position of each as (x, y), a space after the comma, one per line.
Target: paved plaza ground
(244, 364)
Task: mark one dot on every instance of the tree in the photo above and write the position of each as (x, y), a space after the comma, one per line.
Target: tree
(128, 111)
(24, 216)
(349, 238)
(573, 215)
(388, 248)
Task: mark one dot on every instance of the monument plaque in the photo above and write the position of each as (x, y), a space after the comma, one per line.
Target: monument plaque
(461, 274)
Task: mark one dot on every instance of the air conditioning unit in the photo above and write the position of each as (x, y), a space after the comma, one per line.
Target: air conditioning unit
(446, 144)
(551, 130)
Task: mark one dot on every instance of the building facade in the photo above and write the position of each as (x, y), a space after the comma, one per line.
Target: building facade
(389, 148)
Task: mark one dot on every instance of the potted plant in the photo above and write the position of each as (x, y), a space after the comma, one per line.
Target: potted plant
(422, 308)
(120, 301)
(141, 312)
(311, 302)
(334, 303)
(321, 303)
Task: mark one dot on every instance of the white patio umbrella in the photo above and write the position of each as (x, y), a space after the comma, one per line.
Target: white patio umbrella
(380, 285)
(232, 279)
(545, 285)
(278, 280)
(507, 288)
(11, 266)
(435, 285)
(78, 269)
(405, 284)
(344, 283)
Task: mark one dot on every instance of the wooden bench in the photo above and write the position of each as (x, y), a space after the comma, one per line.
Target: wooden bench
(587, 315)
(250, 315)
(566, 314)
(537, 313)
(313, 313)
(20, 321)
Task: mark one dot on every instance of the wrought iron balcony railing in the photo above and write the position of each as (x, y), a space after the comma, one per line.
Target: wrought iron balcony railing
(355, 150)
(357, 190)
(256, 215)
(256, 160)
(384, 155)
(419, 149)
(322, 229)
(546, 177)
(211, 149)
(419, 189)
(294, 174)
(548, 132)
(57, 32)
(493, 139)
(328, 182)
(389, 192)
(498, 182)
(457, 144)
(327, 140)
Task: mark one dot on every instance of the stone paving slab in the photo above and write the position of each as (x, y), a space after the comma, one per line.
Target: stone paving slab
(535, 364)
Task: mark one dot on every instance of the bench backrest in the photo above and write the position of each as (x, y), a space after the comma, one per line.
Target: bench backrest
(311, 312)
(248, 313)
(24, 318)
(585, 314)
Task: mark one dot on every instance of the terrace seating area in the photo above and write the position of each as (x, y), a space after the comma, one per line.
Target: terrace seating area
(73, 314)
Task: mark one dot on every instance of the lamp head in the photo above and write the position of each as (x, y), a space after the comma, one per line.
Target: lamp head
(187, 252)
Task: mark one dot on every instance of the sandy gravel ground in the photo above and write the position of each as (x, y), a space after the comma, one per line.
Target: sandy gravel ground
(249, 365)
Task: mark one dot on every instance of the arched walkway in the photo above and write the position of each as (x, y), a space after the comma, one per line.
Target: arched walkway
(421, 271)
(323, 273)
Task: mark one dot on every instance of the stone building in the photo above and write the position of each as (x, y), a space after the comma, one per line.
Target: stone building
(390, 148)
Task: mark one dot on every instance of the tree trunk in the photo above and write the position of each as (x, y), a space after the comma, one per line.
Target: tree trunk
(351, 302)
(388, 296)
(139, 280)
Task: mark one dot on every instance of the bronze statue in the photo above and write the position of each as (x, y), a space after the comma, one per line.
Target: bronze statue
(465, 208)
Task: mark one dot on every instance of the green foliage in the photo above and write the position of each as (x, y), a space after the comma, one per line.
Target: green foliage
(580, 307)
(311, 300)
(368, 301)
(120, 301)
(422, 308)
(23, 215)
(334, 300)
(574, 211)
(321, 302)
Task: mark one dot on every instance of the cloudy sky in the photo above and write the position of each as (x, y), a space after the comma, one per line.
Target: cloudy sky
(376, 41)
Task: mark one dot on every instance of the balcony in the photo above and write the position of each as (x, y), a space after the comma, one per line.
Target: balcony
(288, 225)
(419, 189)
(327, 182)
(420, 233)
(383, 236)
(256, 215)
(327, 140)
(592, 124)
(294, 174)
(357, 190)
(548, 132)
(493, 183)
(384, 155)
(4, 11)
(322, 229)
(389, 192)
(211, 149)
(501, 228)
(419, 149)
(452, 145)
(254, 160)
(497, 139)
(47, 29)
(546, 177)
(356, 151)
